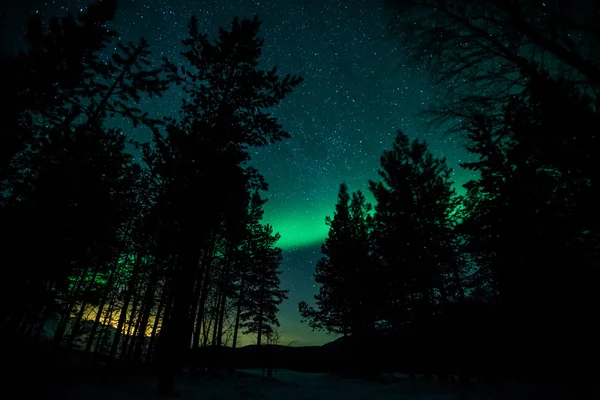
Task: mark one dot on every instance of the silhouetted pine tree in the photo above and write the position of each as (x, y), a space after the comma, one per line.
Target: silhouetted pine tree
(413, 231)
(262, 295)
(349, 298)
(365, 299)
(246, 259)
(345, 303)
(206, 150)
(332, 308)
(415, 243)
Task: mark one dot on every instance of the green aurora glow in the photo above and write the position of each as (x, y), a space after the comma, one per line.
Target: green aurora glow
(302, 226)
(355, 97)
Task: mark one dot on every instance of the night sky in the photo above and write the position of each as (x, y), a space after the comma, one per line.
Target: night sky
(354, 98)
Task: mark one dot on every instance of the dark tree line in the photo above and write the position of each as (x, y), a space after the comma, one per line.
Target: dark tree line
(136, 262)
(499, 282)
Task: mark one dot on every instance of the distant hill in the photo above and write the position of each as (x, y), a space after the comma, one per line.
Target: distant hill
(326, 358)
(335, 356)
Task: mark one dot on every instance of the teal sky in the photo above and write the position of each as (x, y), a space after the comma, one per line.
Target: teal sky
(355, 97)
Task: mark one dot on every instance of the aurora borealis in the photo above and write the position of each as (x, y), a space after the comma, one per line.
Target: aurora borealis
(355, 96)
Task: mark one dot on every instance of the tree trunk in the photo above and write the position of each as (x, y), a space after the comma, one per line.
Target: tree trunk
(238, 311)
(260, 312)
(103, 333)
(107, 290)
(176, 342)
(202, 303)
(161, 305)
(134, 336)
(221, 319)
(224, 285)
(77, 324)
(259, 334)
(195, 304)
(202, 276)
(143, 326)
(66, 316)
(206, 324)
(123, 315)
(200, 307)
(215, 316)
(131, 323)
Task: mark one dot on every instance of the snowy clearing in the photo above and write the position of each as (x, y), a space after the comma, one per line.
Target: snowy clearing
(291, 385)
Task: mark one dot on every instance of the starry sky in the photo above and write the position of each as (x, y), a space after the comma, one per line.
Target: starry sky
(356, 94)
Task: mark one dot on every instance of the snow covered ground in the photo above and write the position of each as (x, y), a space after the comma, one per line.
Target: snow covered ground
(290, 385)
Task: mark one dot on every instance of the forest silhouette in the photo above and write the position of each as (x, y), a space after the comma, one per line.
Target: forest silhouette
(115, 266)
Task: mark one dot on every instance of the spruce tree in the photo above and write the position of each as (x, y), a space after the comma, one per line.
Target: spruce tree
(413, 230)
(346, 302)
